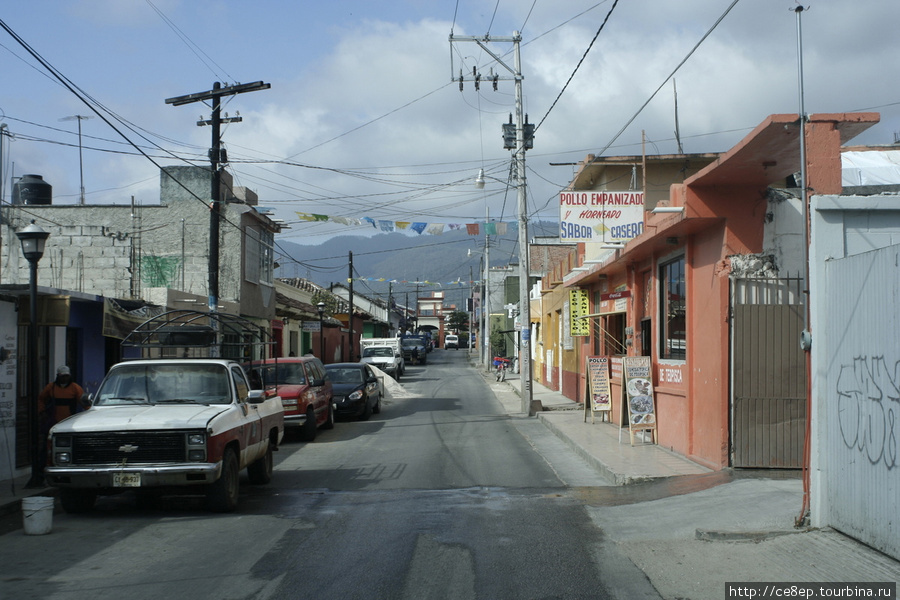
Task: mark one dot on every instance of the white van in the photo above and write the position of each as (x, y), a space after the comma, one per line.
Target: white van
(451, 341)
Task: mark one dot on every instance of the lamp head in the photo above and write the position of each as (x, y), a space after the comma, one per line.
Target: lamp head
(479, 180)
(33, 239)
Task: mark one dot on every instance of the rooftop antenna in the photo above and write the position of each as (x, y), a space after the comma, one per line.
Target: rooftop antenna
(79, 118)
(677, 132)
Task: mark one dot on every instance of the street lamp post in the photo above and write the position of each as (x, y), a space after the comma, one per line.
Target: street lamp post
(33, 239)
(321, 308)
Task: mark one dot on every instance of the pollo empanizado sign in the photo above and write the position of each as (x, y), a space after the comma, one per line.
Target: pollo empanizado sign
(600, 216)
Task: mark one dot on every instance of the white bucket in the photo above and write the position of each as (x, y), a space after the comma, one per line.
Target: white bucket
(37, 514)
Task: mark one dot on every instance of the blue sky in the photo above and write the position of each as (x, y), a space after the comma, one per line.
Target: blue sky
(362, 103)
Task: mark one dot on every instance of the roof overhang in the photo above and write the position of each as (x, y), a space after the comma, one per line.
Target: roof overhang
(771, 152)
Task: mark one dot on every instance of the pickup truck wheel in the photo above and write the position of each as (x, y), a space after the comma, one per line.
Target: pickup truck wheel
(223, 494)
(329, 420)
(260, 471)
(308, 430)
(77, 501)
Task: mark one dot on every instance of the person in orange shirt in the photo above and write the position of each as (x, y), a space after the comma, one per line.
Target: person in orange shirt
(59, 399)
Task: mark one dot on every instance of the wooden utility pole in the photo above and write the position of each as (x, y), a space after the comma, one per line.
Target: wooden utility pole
(216, 156)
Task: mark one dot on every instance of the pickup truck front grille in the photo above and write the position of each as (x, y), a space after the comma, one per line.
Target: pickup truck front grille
(129, 447)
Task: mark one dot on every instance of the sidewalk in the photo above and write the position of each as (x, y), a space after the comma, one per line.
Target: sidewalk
(12, 492)
(696, 529)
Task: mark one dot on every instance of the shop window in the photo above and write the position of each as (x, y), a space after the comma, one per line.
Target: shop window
(672, 302)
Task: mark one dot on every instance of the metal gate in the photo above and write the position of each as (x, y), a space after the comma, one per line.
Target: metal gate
(768, 404)
(860, 396)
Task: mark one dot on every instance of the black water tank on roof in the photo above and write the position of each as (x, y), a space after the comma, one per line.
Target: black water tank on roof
(32, 189)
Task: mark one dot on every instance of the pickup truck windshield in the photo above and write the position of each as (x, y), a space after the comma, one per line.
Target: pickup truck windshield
(162, 384)
(378, 351)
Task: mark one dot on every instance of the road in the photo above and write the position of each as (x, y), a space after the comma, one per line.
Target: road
(441, 495)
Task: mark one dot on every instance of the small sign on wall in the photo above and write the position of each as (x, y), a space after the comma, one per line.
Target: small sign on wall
(580, 308)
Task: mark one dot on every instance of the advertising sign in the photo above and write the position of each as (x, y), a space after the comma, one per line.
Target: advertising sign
(639, 395)
(599, 395)
(311, 326)
(600, 216)
(580, 307)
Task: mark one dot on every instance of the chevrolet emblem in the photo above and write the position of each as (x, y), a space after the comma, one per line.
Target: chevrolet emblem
(128, 448)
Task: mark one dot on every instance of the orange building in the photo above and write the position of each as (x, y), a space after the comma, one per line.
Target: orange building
(728, 375)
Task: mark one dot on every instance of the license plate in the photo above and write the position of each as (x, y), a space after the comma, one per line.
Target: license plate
(126, 480)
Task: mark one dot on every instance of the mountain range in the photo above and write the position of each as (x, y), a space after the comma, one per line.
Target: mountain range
(408, 262)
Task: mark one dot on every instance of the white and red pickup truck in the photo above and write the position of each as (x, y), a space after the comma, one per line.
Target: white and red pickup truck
(158, 424)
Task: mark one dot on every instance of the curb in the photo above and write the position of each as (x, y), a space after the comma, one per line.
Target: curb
(618, 479)
(744, 536)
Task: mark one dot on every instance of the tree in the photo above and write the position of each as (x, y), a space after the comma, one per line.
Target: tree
(458, 321)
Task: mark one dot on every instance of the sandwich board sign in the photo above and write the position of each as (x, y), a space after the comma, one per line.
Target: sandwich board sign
(599, 397)
(638, 388)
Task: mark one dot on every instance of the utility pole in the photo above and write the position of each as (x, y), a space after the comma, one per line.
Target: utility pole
(390, 305)
(519, 161)
(216, 155)
(350, 314)
(471, 311)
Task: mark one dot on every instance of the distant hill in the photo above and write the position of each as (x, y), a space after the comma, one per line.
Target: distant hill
(438, 259)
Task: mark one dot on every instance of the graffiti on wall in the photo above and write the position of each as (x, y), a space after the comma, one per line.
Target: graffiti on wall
(868, 405)
(159, 271)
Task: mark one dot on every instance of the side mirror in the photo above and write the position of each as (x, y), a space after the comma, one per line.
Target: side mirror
(256, 396)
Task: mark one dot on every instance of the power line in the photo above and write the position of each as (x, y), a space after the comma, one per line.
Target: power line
(583, 56)
(666, 80)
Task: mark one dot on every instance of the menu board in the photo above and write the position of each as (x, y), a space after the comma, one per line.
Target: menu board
(599, 396)
(638, 386)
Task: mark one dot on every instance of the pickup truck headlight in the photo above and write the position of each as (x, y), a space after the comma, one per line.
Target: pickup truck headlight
(62, 458)
(288, 402)
(196, 447)
(62, 441)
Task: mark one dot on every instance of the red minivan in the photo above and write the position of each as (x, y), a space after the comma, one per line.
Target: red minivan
(305, 390)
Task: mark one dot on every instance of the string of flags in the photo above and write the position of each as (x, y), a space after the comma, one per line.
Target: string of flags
(442, 284)
(485, 228)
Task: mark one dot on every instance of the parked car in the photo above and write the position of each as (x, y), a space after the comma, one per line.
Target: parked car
(357, 392)
(305, 389)
(451, 341)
